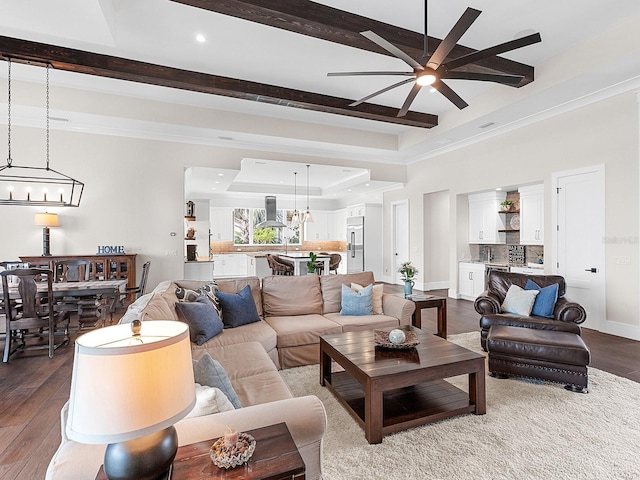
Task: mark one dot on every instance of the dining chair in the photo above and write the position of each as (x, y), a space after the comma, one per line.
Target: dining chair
(87, 308)
(278, 266)
(30, 315)
(137, 291)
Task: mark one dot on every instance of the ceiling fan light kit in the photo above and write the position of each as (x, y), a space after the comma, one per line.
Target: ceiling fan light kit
(433, 69)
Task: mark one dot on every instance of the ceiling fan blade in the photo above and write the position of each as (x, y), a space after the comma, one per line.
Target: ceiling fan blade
(386, 89)
(484, 77)
(389, 47)
(495, 50)
(450, 94)
(450, 41)
(407, 103)
(347, 74)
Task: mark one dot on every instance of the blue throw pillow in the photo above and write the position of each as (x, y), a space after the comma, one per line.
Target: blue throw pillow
(238, 308)
(209, 372)
(203, 320)
(357, 303)
(545, 300)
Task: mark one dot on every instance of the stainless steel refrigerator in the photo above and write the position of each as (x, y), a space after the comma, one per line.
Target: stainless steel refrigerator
(355, 244)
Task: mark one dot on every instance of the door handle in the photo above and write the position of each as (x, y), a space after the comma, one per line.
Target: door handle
(592, 270)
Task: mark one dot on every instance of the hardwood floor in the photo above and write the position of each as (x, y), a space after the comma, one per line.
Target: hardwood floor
(33, 388)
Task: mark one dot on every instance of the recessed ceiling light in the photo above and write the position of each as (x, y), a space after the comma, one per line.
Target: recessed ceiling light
(366, 184)
(200, 38)
(217, 181)
(432, 90)
(498, 189)
(349, 190)
(221, 174)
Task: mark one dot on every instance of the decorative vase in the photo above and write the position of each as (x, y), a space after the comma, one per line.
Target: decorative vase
(408, 287)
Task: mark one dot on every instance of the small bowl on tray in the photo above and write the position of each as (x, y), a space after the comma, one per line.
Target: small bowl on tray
(381, 339)
(229, 457)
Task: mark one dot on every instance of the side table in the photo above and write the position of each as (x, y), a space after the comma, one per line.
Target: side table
(276, 458)
(434, 302)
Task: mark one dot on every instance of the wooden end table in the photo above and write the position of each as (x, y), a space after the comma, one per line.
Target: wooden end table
(433, 302)
(276, 458)
(388, 390)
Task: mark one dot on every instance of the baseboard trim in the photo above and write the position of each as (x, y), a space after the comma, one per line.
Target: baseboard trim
(622, 330)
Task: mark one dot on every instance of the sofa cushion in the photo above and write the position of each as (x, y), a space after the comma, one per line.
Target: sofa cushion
(231, 285)
(545, 300)
(202, 318)
(238, 308)
(255, 381)
(284, 295)
(208, 371)
(378, 292)
(357, 303)
(301, 329)
(253, 332)
(519, 301)
(355, 323)
(209, 400)
(331, 286)
(158, 308)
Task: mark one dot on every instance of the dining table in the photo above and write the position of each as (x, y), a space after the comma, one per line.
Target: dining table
(299, 258)
(107, 292)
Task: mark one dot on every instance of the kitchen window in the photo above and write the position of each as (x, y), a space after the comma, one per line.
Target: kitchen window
(246, 233)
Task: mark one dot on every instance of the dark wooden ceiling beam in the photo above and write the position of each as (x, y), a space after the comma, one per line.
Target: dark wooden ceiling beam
(327, 23)
(79, 61)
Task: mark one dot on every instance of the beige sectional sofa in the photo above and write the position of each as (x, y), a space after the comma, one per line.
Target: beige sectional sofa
(294, 312)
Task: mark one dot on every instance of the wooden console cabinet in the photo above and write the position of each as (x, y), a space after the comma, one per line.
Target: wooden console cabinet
(103, 267)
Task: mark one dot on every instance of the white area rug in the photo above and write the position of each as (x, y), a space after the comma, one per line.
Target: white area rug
(532, 430)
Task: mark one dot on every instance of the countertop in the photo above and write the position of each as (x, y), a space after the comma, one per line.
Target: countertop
(505, 264)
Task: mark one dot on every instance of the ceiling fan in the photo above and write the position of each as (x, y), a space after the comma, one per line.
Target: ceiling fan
(431, 69)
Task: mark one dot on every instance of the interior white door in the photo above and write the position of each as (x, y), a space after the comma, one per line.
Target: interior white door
(400, 237)
(580, 237)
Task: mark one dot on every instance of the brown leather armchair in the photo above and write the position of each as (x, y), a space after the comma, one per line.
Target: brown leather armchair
(567, 315)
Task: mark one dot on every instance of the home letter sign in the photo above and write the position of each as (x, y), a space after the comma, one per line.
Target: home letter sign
(110, 250)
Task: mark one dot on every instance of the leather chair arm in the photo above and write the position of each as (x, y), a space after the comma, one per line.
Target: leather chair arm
(568, 311)
(487, 303)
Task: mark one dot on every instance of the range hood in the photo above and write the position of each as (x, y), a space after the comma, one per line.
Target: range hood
(270, 206)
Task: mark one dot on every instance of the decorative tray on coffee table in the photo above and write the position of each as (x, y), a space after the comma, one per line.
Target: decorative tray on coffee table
(381, 339)
(225, 457)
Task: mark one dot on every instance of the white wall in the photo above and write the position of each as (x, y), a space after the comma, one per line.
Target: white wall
(436, 240)
(601, 133)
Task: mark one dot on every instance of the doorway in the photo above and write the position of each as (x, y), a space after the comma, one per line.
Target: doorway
(400, 240)
(579, 214)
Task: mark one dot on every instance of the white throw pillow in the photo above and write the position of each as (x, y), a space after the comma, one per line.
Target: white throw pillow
(209, 400)
(519, 301)
(378, 290)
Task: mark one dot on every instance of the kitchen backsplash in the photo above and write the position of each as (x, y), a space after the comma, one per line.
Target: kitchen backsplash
(500, 253)
(311, 246)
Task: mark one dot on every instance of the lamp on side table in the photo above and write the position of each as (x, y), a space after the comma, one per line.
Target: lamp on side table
(46, 221)
(130, 384)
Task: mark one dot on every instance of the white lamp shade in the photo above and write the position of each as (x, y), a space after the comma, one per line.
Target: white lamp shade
(46, 220)
(123, 388)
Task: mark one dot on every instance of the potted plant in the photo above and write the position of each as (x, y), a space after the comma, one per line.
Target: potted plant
(408, 272)
(312, 264)
(506, 205)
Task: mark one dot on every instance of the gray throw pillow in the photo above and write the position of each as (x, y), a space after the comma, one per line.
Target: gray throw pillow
(203, 320)
(519, 301)
(238, 308)
(208, 371)
(209, 289)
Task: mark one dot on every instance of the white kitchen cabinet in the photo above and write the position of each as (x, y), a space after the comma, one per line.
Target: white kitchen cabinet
(532, 215)
(356, 210)
(470, 280)
(231, 265)
(484, 219)
(319, 228)
(340, 225)
(221, 224)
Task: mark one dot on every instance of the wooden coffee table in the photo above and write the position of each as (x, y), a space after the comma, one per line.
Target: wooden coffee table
(388, 390)
(275, 458)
